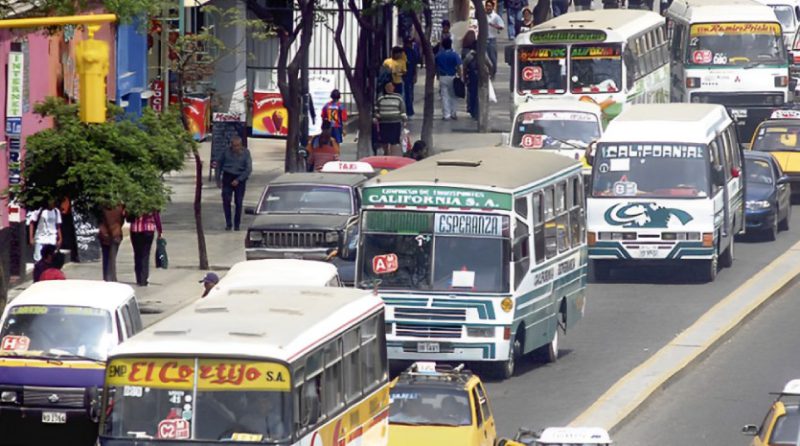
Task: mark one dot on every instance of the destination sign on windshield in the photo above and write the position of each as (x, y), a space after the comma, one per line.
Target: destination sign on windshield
(652, 151)
(568, 36)
(541, 53)
(469, 224)
(596, 52)
(713, 29)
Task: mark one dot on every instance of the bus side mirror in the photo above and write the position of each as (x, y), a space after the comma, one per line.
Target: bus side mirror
(750, 429)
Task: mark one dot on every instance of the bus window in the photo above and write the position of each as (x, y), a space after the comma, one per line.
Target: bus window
(717, 163)
(538, 228)
(561, 197)
(333, 397)
(521, 206)
(371, 354)
(596, 68)
(352, 369)
(677, 40)
(548, 203)
(521, 251)
(542, 69)
(562, 225)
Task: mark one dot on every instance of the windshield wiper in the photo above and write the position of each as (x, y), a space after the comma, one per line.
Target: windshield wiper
(568, 143)
(67, 355)
(49, 359)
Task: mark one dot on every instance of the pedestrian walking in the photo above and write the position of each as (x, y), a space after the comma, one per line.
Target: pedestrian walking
(583, 5)
(44, 228)
(514, 16)
(322, 148)
(396, 65)
(235, 167)
(390, 115)
(335, 113)
(143, 229)
(448, 66)
(110, 234)
(496, 26)
(48, 253)
(54, 272)
(418, 151)
(560, 7)
(469, 57)
(209, 281)
(527, 20)
(446, 34)
(412, 54)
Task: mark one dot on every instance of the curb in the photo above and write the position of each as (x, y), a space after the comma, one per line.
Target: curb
(620, 402)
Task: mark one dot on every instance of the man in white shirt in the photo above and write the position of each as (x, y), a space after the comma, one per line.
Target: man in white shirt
(44, 229)
(496, 26)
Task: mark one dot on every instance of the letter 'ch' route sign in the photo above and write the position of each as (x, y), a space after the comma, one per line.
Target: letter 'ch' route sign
(432, 196)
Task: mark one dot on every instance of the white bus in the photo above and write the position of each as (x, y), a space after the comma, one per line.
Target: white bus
(609, 57)
(289, 366)
(480, 255)
(666, 189)
(729, 52)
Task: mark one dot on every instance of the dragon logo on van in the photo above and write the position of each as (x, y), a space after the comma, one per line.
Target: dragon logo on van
(645, 215)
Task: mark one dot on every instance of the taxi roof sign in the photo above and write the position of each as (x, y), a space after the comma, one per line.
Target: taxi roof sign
(347, 167)
(582, 435)
(425, 366)
(792, 388)
(785, 114)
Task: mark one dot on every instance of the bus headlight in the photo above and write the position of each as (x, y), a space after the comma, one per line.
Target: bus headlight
(781, 81)
(480, 332)
(8, 396)
(507, 304)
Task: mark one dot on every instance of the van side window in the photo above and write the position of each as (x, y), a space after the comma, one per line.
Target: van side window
(477, 401)
(487, 412)
(716, 161)
(520, 250)
(136, 318)
(677, 42)
(727, 156)
(126, 319)
(550, 225)
(538, 228)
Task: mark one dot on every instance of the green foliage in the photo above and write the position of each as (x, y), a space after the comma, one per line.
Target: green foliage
(125, 9)
(101, 165)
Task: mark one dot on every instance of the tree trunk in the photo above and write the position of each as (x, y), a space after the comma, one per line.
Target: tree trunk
(430, 74)
(483, 70)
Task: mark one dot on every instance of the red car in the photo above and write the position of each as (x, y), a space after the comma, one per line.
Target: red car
(383, 164)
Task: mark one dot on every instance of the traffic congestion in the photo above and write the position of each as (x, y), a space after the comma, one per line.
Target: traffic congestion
(536, 292)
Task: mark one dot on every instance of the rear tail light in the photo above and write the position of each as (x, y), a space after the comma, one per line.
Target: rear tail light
(708, 239)
(591, 238)
(507, 333)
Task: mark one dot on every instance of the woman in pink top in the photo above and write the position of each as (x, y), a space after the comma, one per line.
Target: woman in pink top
(143, 230)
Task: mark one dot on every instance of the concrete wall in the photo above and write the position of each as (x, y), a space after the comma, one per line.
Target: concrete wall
(230, 72)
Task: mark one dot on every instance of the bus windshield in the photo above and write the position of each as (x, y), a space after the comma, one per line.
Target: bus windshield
(596, 68)
(778, 139)
(651, 170)
(542, 69)
(57, 331)
(436, 252)
(207, 400)
(555, 130)
(736, 44)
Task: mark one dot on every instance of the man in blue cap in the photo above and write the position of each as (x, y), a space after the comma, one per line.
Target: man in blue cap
(209, 281)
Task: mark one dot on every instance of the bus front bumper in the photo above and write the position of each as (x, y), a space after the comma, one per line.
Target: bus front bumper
(657, 254)
(447, 350)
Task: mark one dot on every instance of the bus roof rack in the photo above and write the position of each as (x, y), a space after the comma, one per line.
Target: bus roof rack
(429, 370)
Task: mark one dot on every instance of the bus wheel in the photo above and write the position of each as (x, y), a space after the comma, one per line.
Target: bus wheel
(709, 270)
(505, 369)
(551, 352)
(726, 259)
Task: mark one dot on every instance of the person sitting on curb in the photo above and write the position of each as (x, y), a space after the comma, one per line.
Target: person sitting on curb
(46, 262)
(54, 271)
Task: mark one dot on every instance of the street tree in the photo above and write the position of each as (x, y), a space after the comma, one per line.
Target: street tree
(361, 74)
(424, 28)
(292, 35)
(102, 166)
(483, 70)
(125, 9)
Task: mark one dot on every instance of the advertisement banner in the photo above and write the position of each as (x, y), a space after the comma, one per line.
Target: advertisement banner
(197, 111)
(157, 100)
(431, 196)
(270, 118)
(320, 87)
(15, 84)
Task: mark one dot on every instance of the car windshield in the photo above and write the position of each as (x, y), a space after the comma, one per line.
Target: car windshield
(777, 139)
(464, 252)
(786, 428)
(555, 130)
(429, 405)
(748, 44)
(596, 68)
(542, 69)
(650, 170)
(785, 15)
(758, 171)
(233, 400)
(307, 199)
(57, 331)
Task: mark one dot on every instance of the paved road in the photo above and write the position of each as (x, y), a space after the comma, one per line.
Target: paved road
(625, 323)
(710, 404)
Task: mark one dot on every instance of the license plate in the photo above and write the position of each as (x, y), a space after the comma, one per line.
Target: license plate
(739, 112)
(428, 347)
(54, 417)
(649, 253)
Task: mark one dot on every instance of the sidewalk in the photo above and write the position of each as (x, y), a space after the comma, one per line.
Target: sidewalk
(173, 288)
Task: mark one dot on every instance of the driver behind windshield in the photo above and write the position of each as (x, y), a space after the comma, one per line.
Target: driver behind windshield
(264, 417)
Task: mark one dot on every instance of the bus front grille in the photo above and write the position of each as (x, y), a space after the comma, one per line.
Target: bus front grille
(428, 331)
(293, 239)
(431, 314)
(53, 397)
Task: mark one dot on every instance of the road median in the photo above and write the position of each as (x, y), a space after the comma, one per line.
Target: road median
(622, 399)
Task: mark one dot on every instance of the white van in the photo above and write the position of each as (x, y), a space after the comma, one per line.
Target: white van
(562, 126)
(666, 188)
(280, 272)
(788, 13)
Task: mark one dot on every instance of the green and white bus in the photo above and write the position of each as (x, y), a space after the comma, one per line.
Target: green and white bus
(608, 57)
(480, 255)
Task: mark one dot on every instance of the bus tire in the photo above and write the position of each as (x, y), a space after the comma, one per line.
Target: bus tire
(551, 349)
(709, 270)
(726, 259)
(601, 270)
(506, 369)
